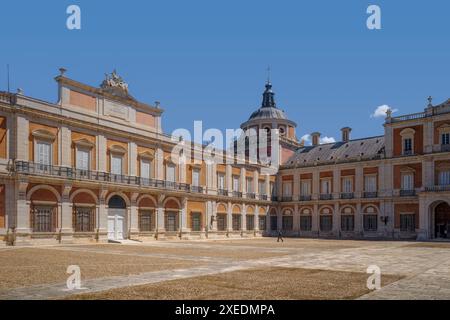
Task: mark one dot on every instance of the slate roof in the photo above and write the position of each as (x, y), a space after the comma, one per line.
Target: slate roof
(359, 149)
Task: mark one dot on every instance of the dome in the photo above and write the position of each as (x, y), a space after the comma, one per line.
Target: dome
(268, 113)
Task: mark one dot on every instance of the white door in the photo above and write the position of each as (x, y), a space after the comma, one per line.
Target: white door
(116, 224)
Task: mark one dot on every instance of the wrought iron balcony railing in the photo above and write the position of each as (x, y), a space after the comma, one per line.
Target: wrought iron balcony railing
(263, 197)
(31, 168)
(274, 198)
(237, 194)
(326, 196)
(222, 192)
(286, 198)
(197, 189)
(251, 195)
(407, 193)
(438, 188)
(372, 194)
(305, 198)
(347, 195)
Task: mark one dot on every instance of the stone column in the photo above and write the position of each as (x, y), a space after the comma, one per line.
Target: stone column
(184, 213)
(102, 218)
(244, 218)
(256, 219)
(336, 183)
(358, 220)
(132, 159)
(296, 219)
(159, 163)
(243, 179)
(359, 181)
(22, 223)
(229, 217)
(22, 141)
(296, 186)
(65, 141)
(101, 153)
(315, 185)
(65, 210)
(267, 185)
(134, 215)
(336, 219)
(315, 219)
(228, 178)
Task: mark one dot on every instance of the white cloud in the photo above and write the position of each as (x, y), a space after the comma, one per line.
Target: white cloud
(327, 140)
(322, 140)
(380, 111)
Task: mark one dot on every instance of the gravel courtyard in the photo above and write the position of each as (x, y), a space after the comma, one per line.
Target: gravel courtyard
(228, 269)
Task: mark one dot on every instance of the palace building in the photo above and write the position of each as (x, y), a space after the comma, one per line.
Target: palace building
(96, 166)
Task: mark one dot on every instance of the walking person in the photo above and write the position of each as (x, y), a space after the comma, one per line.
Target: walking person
(280, 236)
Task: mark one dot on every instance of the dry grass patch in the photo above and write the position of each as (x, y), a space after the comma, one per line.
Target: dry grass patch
(266, 283)
(31, 266)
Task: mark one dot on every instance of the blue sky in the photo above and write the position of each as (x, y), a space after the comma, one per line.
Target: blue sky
(207, 60)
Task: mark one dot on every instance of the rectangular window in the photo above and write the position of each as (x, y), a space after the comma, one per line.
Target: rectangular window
(305, 189)
(146, 168)
(444, 178)
(196, 221)
(236, 219)
(287, 189)
(82, 158)
(347, 223)
(116, 164)
(262, 223)
(272, 189)
(407, 222)
(407, 145)
(250, 220)
(84, 219)
(222, 222)
(262, 187)
(43, 219)
(370, 183)
(326, 223)
(146, 220)
(408, 181)
(171, 221)
(370, 222)
(326, 186)
(220, 181)
(195, 177)
(445, 138)
(235, 183)
(305, 223)
(43, 153)
(347, 184)
(249, 182)
(170, 172)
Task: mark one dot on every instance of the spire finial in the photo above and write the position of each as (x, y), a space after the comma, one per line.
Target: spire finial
(430, 100)
(268, 74)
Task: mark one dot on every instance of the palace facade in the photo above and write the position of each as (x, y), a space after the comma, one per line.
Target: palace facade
(97, 166)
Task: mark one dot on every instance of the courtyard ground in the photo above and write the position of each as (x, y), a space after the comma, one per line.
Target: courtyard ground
(229, 269)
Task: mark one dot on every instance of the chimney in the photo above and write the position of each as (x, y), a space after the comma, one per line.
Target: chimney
(315, 136)
(346, 134)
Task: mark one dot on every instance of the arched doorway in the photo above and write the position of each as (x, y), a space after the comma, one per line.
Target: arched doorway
(117, 212)
(442, 220)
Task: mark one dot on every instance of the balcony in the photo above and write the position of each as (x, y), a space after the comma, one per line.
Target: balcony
(347, 195)
(407, 193)
(440, 188)
(326, 196)
(263, 197)
(286, 198)
(304, 198)
(274, 198)
(251, 195)
(237, 194)
(197, 189)
(222, 192)
(445, 147)
(372, 194)
(31, 168)
(408, 153)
